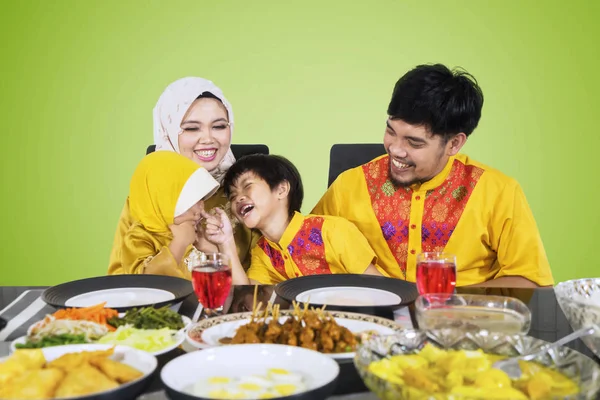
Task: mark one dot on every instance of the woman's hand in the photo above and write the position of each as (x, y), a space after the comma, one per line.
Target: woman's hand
(184, 233)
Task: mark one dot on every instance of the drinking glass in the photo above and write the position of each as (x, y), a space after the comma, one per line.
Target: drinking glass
(211, 279)
(436, 272)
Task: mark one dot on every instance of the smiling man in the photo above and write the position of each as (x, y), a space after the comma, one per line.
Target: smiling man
(425, 196)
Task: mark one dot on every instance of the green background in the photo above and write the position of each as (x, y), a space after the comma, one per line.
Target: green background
(79, 80)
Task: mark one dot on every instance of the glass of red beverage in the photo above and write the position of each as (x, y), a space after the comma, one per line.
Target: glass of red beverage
(436, 273)
(211, 279)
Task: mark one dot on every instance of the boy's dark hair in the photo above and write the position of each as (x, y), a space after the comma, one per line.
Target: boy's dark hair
(273, 170)
(443, 101)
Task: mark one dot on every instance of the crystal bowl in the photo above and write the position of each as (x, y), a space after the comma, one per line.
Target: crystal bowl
(583, 370)
(472, 312)
(580, 302)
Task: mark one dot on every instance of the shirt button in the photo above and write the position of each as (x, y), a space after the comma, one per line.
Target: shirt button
(418, 198)
(413, 226)
(412, 251)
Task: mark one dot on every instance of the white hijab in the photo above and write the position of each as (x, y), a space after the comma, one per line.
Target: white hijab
(172, 106)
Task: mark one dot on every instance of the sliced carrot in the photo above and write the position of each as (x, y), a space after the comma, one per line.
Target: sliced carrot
(96, 313)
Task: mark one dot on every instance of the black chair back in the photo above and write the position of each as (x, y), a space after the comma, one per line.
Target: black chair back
(238, 150)
(345, 156)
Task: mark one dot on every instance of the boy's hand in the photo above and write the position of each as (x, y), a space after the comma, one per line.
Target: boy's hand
(217, 228)
(184, 233)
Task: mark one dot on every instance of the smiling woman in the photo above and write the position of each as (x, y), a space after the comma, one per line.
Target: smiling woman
(193, 118)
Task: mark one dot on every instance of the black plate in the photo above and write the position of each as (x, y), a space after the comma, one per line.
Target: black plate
(407, 291)
(58, 295)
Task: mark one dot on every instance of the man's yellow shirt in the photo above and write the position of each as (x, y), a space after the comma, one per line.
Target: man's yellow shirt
(470, 210)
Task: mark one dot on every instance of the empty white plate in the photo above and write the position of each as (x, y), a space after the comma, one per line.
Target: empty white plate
(349, 296)
(121, 297)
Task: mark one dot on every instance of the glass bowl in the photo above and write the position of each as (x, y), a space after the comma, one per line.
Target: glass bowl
(583, 370)
(472, 312)
(580, 302)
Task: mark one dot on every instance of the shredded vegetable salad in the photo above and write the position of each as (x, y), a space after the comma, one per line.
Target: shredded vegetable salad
(147, 328)
(97, 314)
(54, 327)
(149, 340)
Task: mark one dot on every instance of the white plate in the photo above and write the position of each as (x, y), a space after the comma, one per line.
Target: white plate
(349, 296)
(212, 335)
(121, 297)
(248, 359)
(140, 360)
(179, 338)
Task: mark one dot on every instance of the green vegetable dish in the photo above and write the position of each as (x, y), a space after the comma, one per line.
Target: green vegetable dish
(54, 340)
(149, 318)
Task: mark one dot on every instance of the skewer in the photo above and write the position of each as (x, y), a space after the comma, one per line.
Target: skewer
(305, 308)
(255, 296)
(267, 310)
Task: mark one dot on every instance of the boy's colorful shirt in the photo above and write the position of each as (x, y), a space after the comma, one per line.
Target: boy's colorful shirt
(469, 209)
(311, 245)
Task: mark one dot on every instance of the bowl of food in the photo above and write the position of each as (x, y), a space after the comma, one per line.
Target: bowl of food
(154, 330)
(580, 302)
(472, 312)
(334, 333)
(454, 364)
(251, 371)
(79, 371)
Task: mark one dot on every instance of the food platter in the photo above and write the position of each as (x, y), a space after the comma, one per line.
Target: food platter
(334, 333)
(156, 331)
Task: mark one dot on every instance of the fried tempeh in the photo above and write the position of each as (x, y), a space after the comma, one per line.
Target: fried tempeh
(121, 373)
(86, 379)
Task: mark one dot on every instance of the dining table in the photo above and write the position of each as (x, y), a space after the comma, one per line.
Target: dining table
(21, 306)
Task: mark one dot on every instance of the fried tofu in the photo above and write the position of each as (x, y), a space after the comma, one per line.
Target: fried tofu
(34, 384)
(122, 373)
(27, 376)
(19, 362)
(86, 379)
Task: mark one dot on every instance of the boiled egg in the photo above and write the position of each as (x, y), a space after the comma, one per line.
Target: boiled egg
(280, 375)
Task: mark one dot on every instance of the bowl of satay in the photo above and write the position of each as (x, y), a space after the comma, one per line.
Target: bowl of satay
(459, 364)
(336, 334)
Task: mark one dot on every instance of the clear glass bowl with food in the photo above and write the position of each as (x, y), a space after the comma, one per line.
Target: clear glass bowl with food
(580, 302)
(454, 364)
(472, 312)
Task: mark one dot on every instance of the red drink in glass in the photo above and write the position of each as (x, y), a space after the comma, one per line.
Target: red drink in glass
(212, 285)
(436, 277)
(436, 273)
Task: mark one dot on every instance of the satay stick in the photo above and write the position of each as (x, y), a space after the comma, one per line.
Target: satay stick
(267, 309)
(305, 308)
(256, 311)
(255, 297)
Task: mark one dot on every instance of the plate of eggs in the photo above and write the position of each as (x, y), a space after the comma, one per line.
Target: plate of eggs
(251, 371)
